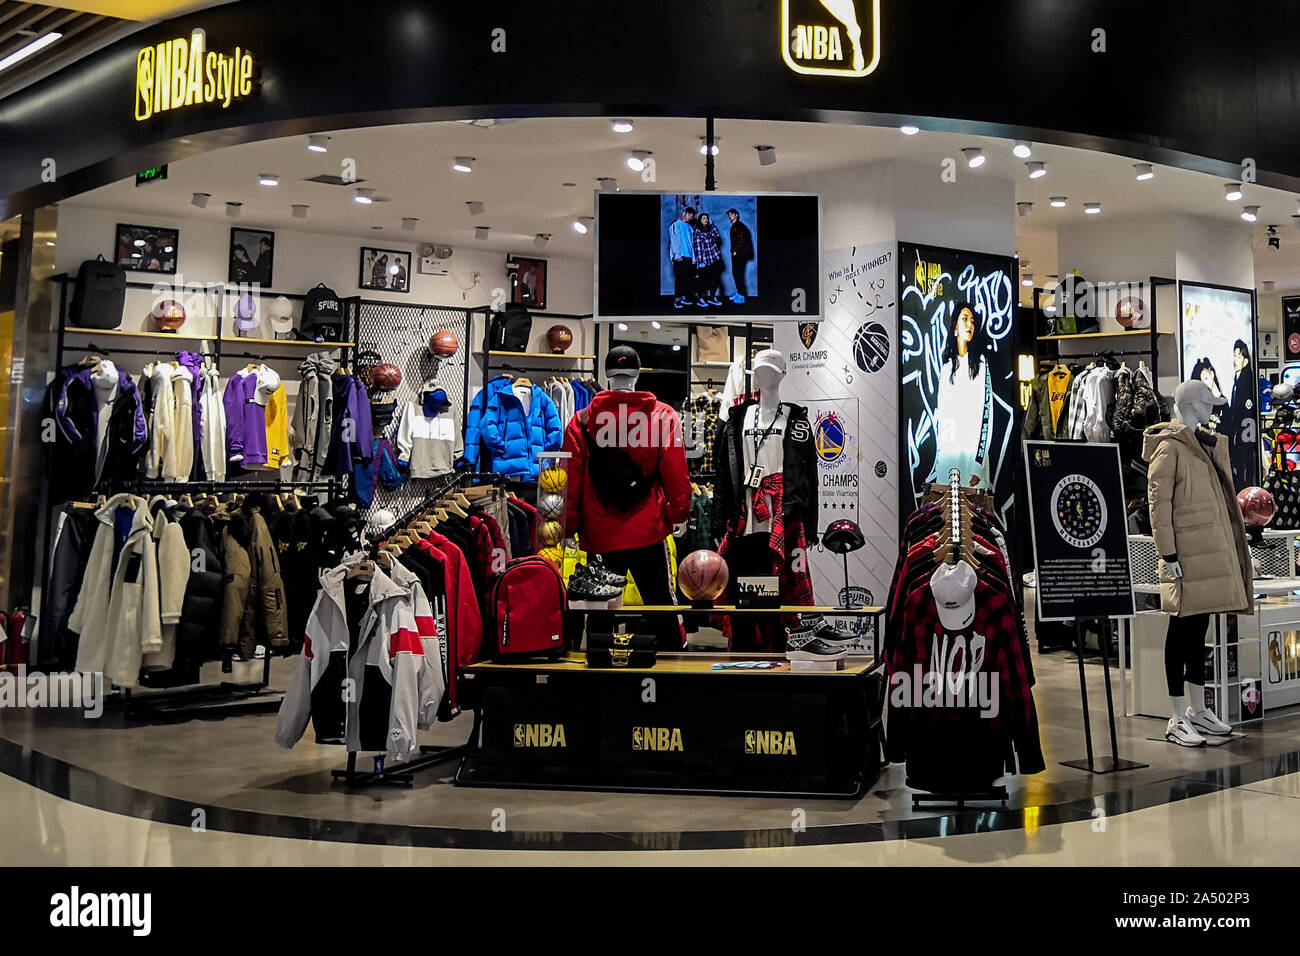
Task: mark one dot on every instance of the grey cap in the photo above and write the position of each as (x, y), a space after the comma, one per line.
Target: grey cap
(1197, 392)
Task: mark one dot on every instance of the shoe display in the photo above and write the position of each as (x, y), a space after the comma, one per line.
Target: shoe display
(823, 631)
(1182, 733)
(1205, 722)
(602, 573)
(588, 587)
(803, 644)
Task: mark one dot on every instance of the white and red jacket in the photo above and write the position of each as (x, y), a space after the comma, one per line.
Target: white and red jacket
(379, 709)
(433, 683)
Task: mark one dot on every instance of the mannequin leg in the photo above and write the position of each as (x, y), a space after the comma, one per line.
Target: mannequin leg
(653, 577)
(1184, 646)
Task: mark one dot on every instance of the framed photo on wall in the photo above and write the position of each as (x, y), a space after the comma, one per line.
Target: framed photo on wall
(252, 256)
(386, 270)
(527, 282)
(147, 248)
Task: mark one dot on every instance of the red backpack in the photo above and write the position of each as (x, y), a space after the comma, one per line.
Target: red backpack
(526, 605)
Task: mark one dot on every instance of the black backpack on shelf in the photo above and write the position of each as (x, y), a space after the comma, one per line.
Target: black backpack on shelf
(98, 296)
(510, 330)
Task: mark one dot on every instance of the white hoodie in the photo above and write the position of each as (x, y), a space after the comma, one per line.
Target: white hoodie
(213, 412)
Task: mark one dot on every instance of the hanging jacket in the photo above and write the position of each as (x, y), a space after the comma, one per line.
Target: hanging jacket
(464, 620)
(475, 456)
(198, 632)
(428, 446)
(57, 644)
(1046, 402)
(253, 609)
(612, 414)
(292, 533)
(193, 363)
(353, 439)
(380, 470)
(380, 654)
(277, 426)
(313, 420)
(71, 402)
(170, 454)
(173, 576)
(433, 684)
(245, 420)
(212, 412)
(117, 612)
(516, 437)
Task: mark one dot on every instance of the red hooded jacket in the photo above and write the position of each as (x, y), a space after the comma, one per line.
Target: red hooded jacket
(651, 433)
(464, 622)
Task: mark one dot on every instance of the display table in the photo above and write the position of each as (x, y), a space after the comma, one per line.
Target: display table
(680, 726)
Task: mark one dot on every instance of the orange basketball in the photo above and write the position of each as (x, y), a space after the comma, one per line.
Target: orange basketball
(702, 576)
(444, 343)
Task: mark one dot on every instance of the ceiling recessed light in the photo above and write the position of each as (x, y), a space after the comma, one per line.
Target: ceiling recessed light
(408, 223)
(1027, 280)
(481, 232)
(1092, 208)
(636, 159)
(704, 145)
(622, 326)
(1022, 150)
(621, 126)
(975, 157)
(1036, 169)
(475, 208)
(318, 143)
(656, 325)
(233, 209)
(365, 196)
(1232, 192)
(568, 185)
(608, 183)
(541, 239)
(268, 179)
(1024, 209)
(909, 130)
(1058, 202)
(1144, 172)
(463, 164)
(24, 52)
(200, 199)
(766, 155)
(582, 225)
(677, 346)
(377, 228)
(300, 210)
(1250, 213)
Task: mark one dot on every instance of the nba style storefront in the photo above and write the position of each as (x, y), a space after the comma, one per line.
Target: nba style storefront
(243, 73)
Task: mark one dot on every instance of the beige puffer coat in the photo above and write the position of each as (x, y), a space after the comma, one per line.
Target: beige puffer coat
(1194, 514)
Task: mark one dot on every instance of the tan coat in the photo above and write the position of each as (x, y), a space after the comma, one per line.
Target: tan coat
(1194, 514)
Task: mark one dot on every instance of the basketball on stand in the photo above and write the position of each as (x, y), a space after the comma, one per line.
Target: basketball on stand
(554, 480)
(551, 506)
(702, 576)
(1257, 506)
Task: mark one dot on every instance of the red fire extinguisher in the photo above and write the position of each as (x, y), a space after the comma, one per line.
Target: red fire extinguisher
(15, 647)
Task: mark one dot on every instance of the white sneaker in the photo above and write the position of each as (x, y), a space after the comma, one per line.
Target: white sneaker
(1206, 722)
(1180, 731)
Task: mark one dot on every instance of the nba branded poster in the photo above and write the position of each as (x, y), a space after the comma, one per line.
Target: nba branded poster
(1218, 336)
(960, 397)
(845, 371)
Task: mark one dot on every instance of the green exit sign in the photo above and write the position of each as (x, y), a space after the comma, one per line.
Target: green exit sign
(151, 175)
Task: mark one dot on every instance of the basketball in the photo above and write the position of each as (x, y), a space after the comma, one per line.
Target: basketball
(702, 576)
(444, 343)
(551, 533)
(559, 338)
(554, 481)
(169, 315)
(386, 377)
(554, 555)
(551, 506)
(871, 347)
(1257, 506)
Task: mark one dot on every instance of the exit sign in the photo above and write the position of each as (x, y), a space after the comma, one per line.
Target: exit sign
(151, 175)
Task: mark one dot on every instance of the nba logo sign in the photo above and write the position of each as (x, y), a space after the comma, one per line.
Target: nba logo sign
(831, 37)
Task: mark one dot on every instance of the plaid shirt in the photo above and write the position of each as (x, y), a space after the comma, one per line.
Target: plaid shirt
(707, 244)
(703, 411)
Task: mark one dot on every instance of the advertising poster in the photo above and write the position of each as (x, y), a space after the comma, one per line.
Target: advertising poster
(1080, 530)
(845, 371)
(1291, 327)
(959, 400)
(1218, 336)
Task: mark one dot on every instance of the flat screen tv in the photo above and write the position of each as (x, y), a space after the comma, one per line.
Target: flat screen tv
(753, 256)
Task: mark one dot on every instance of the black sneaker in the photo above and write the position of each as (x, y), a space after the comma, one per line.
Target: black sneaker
(586, 589)
(823, 631)
(801, 645)
(602, 573)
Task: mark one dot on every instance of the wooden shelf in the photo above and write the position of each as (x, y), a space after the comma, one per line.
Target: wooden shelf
(1145, 333)
(549, 355)
(176, 336)
(713, 364)
(293, 343)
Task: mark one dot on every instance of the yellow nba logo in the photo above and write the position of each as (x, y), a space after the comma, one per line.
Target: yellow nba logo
(831, 37)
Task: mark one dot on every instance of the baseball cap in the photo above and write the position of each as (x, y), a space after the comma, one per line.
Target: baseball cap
(1197, 392)
(380, 521)
(268, 383)
(246, 313)
(769, 358)
(281, 315)
(953, 587)
(622, 360)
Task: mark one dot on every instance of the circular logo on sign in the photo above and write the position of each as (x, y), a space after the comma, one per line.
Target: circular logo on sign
(829, 431)
(881, 469)
(1078, 511)
(1293, 343)
(871, 347)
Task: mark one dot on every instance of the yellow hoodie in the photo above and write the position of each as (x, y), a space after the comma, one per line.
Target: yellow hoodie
(277, 430)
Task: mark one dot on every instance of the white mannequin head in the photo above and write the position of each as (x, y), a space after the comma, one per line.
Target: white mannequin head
(1194, 403)
(769, 373)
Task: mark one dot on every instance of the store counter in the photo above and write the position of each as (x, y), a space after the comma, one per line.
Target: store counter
(680, 726)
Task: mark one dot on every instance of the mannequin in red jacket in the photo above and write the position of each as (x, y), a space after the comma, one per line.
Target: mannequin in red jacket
(636, 540)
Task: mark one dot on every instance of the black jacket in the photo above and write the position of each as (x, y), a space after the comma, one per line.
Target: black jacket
(56, 650)
(70, 402)
(800, 471)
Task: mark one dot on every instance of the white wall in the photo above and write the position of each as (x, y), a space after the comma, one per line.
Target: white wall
(1118, 250)
(1210, 250)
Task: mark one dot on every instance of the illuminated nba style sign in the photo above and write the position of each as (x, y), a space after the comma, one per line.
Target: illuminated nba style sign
(183, 72)
(831, 37)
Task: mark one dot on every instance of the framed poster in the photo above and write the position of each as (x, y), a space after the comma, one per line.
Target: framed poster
(252, 256)
(386, 270)
(528, 282)
(959, 397)
(1080, 530)
(1218, 336)
(1291, 327)
(147, 248)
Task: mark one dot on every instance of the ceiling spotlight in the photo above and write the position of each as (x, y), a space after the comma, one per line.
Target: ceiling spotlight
(300, 210)
(268, 179)
(475, 208)
(608, 183)
(1232, 192)
(233, 209)
(200, 200)
(318, 143)
(1027, 280)
(656, 325)
(541, 239)
(365, 196)
(704, 145)
(909, 130)
(622, 326)
(582, 225)
(1024, 209)
(636, 159)
(1250, 213)
(1058, 202)
(677, 346)
(1022, 150)
(621, 126)
(481, 232)
(1092, 208)
(766, 155)
(974, 157)
(1274, 240)
(1036, 169)
(1144, 172)
(408, 223)
(463, 164)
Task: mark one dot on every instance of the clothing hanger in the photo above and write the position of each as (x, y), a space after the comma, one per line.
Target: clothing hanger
(362, 569)
(384, 559)
(451, 507)
(524, 381)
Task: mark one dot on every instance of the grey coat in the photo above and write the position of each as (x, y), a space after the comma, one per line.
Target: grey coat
(314, 417)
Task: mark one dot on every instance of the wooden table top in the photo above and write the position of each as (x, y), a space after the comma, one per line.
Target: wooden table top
(702, 663)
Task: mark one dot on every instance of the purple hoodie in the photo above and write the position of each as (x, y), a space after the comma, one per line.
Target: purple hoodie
(245, 420)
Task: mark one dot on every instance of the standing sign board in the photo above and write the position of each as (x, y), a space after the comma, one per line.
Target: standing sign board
(1080, 529)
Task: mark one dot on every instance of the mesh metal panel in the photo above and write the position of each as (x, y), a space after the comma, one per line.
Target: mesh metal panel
(400, 333)
(1275, 555)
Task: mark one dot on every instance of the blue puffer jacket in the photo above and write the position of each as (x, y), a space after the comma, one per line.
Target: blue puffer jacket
(514, 438)
(475, 455)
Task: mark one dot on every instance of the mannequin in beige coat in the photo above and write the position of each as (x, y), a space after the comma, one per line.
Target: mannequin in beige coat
(1205, 566)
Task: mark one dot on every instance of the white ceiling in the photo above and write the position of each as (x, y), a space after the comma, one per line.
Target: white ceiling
(521, 168)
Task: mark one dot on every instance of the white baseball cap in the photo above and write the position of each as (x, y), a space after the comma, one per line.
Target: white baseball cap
(381, 520)
(953, 587)
(281, 314)
(769, 358)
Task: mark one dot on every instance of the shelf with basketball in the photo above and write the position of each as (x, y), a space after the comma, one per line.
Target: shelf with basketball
(547, 355)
